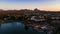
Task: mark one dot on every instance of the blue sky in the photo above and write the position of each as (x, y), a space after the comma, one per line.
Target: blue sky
(30, 4)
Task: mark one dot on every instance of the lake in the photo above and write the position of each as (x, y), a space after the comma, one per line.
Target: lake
(16, 27)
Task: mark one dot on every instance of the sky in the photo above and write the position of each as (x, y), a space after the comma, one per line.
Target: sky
(51, 5)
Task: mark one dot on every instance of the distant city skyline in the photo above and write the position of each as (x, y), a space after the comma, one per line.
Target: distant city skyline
(51, 5)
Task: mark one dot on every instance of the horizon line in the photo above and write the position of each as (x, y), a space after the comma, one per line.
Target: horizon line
(29, 9)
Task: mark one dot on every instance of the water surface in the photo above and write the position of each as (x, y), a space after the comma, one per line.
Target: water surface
(15, 27)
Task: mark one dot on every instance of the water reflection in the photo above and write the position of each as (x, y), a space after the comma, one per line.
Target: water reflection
(21, 27)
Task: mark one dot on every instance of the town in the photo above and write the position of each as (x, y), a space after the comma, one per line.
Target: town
(38, 18)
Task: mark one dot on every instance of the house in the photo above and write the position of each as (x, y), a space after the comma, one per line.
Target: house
(38, 18)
